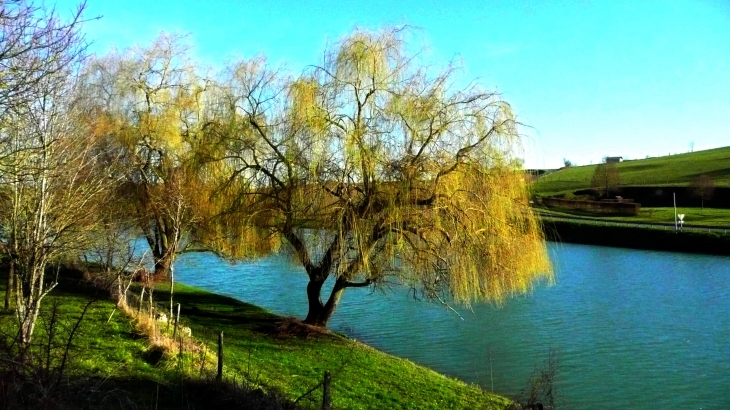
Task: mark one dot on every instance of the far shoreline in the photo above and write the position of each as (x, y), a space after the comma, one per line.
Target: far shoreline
(633, 237)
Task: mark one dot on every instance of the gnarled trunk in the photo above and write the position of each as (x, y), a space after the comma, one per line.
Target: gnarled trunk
(320, 313)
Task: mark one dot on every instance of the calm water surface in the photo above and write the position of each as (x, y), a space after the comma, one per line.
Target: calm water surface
(633, 329)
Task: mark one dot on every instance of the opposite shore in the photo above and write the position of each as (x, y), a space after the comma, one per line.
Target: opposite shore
(713, 241)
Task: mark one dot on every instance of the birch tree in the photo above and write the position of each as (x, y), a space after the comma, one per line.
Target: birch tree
(54, 192)
(37, 49)
(372, 167)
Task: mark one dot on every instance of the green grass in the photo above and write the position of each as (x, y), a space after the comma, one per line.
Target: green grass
(255, 352)
(673, 170)
(363, 377)
(103, 346)
(710, 217)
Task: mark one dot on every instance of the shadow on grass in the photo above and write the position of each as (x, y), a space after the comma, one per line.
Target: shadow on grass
(716, 174)
(137, 393)
(209, 308)
(163, 390)
(196, 306)
(633, 167)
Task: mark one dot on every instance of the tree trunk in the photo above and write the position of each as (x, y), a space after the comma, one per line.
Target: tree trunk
(159, 244)
(172, 291)
(162, 265)
(9, 285)
(29, 291)
(320, 313)
(27, 323)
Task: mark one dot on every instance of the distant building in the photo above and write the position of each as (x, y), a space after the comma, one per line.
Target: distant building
(614, 159)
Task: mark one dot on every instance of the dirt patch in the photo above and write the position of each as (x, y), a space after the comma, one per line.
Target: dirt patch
(293, 327)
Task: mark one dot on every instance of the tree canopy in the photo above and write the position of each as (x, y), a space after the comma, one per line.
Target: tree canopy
(369, 166)
(147, 106)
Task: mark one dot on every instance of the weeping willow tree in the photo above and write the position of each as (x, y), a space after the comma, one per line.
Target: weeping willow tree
(370, 167)
(148, 106)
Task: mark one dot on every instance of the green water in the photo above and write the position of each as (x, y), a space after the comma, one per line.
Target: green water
(632, 329)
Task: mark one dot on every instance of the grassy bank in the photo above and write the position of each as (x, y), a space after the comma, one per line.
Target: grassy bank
(708, 217)
(263, 352)
(637, 238)
(109, 363)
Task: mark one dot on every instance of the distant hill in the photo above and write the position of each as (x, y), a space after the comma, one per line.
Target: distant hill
(673, 170)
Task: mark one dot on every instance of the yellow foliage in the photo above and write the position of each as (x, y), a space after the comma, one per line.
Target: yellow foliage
(306, 110)
(368, 158)
(363, 58)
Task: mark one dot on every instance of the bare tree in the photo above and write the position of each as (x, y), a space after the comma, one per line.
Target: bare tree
(370, 167)
(54, 192)
(703, 187)
(605, 178)
(35, 46)
(38, 50)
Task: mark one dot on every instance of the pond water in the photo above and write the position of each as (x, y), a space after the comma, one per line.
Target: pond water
(631, 329)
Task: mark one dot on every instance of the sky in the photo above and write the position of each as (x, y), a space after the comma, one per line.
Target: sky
(588, 79)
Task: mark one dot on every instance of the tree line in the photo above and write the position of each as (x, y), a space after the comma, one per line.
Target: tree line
(368, 166)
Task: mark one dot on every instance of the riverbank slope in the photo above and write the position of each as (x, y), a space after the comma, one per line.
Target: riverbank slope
(264, 353)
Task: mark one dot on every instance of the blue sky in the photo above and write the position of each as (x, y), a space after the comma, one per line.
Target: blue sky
(590, 78)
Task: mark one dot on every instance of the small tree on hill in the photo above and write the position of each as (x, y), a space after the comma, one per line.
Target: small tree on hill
(703, 187)
(605, 179)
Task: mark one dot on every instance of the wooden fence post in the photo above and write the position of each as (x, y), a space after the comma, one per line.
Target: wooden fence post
(219, 376)
(141, 300)
(152, 308)
(326, 400)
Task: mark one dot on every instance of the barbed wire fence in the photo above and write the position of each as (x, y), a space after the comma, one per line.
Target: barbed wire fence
(200, 349)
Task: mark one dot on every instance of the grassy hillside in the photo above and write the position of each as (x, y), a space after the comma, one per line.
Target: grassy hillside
(674, 170)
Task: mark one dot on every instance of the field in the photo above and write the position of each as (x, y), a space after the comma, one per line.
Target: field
(673, 170)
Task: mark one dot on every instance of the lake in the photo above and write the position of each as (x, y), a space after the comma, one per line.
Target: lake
(631, 329)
